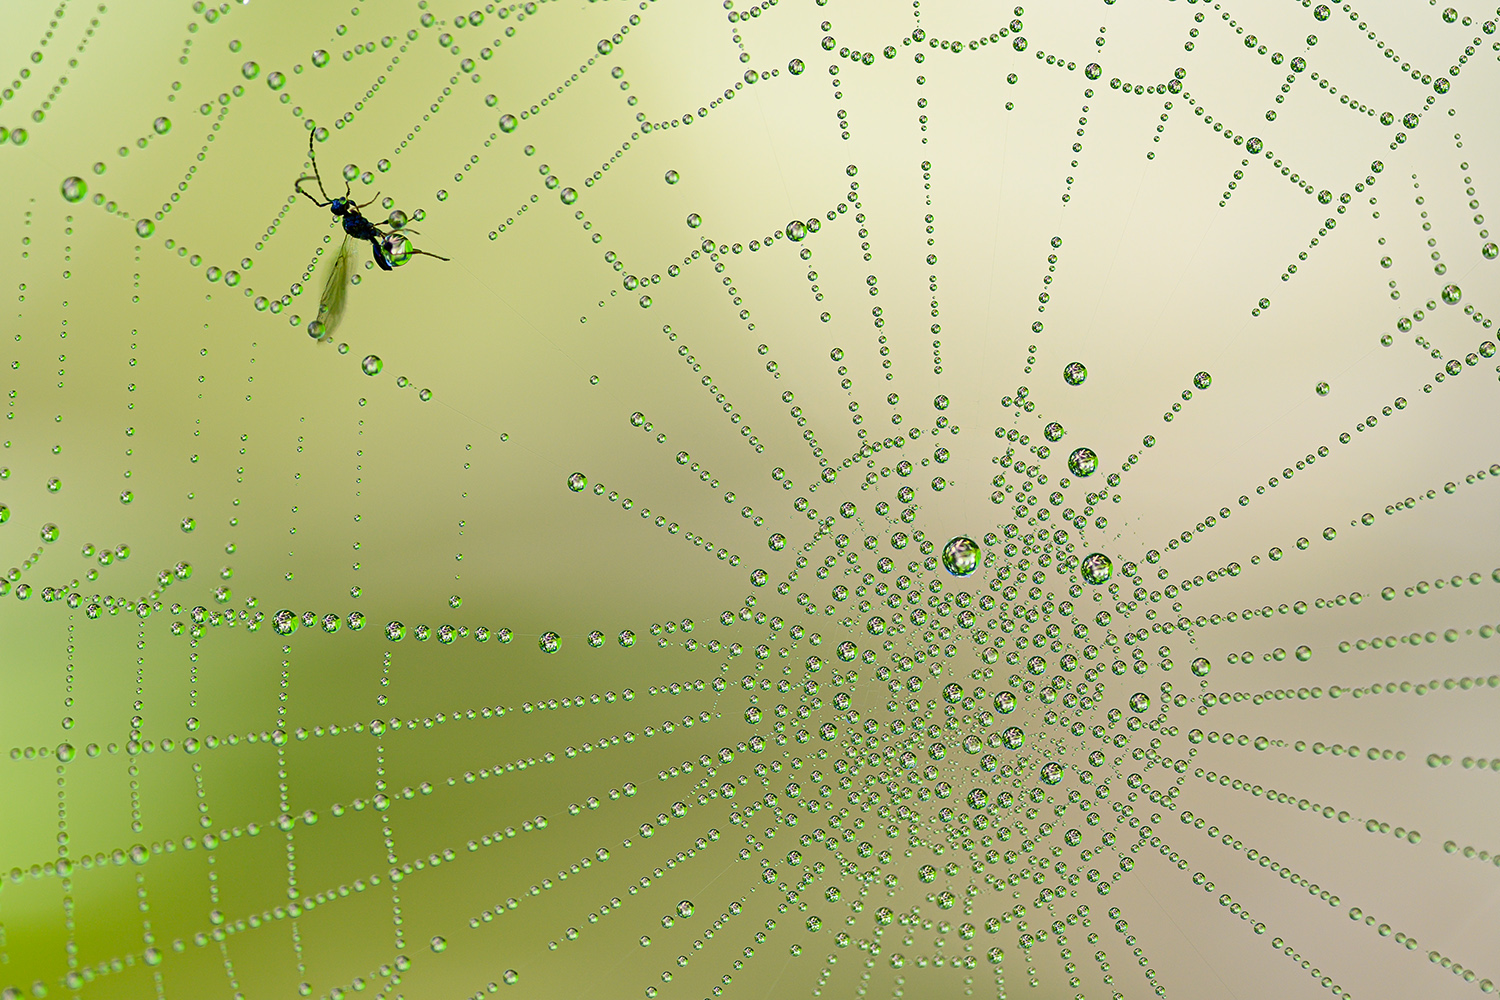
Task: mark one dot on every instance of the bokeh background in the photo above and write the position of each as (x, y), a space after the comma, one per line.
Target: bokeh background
(432, 660)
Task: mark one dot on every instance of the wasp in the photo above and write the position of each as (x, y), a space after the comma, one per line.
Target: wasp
(391, 248)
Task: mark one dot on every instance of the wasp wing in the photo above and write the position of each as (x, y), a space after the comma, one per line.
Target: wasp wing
(335, 291)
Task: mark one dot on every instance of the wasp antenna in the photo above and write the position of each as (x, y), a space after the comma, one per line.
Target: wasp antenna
(298, 186)
(316, 176)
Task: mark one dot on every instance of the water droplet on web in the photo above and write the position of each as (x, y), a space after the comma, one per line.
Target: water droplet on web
(961, 556)
(1097, 568)
(1083, 462)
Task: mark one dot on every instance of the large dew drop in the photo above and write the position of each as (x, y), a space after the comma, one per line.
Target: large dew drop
(1083, 462)
(1097, 568)
(961, 556)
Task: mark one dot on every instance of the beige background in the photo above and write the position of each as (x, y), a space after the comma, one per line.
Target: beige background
(306, 480)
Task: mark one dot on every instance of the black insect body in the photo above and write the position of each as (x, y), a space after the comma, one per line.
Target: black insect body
(361, 228)
(390, 248)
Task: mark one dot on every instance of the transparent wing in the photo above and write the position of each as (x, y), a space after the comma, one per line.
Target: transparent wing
(335, 291)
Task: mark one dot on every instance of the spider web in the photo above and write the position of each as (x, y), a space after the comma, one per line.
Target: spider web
(881, 500)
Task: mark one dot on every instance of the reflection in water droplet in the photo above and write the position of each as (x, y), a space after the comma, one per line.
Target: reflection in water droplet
(961, 556)
(1082, 462)
(1097, 568)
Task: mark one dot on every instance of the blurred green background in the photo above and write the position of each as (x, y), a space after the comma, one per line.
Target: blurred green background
(205, 799)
